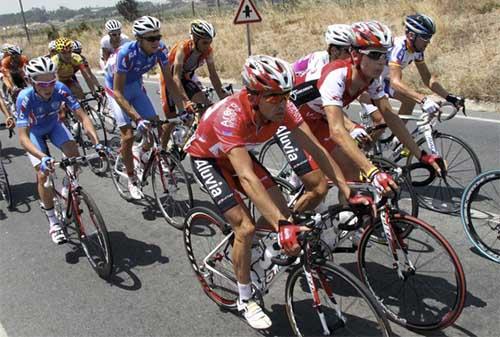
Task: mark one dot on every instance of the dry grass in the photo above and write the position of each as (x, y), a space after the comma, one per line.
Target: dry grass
(465, 52)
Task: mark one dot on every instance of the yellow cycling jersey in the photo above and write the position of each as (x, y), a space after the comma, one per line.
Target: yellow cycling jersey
(65, 70)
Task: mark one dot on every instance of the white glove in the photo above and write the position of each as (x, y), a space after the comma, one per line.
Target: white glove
(429, 106)
(359, 133)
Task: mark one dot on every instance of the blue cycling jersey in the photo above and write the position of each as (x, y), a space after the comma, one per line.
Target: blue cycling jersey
(39, 114)
(130, 59)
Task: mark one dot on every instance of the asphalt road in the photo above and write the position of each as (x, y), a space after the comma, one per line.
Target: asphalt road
(48, 290)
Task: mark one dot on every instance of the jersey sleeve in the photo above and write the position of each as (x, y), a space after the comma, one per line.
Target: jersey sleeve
(123, 60)
(103, 42)
(23, 109)
(376, 89)
(163, 54)
(396, 56)
(332, 89)
(69, 99)
(293, 118)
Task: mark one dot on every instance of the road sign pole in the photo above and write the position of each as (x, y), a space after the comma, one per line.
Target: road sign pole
(248, 40)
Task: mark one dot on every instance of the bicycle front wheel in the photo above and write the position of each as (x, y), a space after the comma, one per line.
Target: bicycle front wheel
(273, 158)
(444, 195)
(172, 189)
(5, 186)
(92, 233)
(342, 305)
(426, 289)
(480, 214)
(208, 240)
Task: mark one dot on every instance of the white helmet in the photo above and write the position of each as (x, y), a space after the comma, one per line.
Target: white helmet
(5, 46)
(112, 25)
(265, 73)
(77, 47)
(372, 35)
(202, 29)
(40, 66)
(52, 45)
(14, 50)
(145, 25)
(340, 35)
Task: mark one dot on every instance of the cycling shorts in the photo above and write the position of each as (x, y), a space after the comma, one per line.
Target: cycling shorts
(221, 181)
(58, 134)
(387, 88)
(136, 95)
(191, 86)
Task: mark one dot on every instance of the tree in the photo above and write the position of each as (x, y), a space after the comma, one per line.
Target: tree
(128, 9)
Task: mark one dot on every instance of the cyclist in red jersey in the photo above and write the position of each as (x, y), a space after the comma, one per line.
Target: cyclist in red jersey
(220, 158)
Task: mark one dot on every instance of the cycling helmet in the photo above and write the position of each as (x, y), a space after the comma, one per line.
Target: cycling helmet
(265, 73)
(52, 45)
(145, 25)
(40, 66)
(339, 35)
(63, 43)
(420, 24)
(112, 25)
(13, 50)
(202, 29)
(77, 47)
(372, 35)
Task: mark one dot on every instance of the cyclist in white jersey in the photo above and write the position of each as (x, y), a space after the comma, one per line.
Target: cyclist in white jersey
(111, 41)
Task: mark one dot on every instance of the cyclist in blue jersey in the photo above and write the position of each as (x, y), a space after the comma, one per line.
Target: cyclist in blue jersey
(37, 120)
(126, 93)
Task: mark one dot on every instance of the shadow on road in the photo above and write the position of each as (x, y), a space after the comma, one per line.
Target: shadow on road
(22, 195)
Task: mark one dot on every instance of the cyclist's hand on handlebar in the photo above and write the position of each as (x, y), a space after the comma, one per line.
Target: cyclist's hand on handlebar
(190, 106)
(143, 125)
(435, 161)
(382, 181)
(363, 198)
(287, 237)
(186, 116)
(46, 165)
(429, 106)
(101, 149)
(10, 122)
(457, 101)
(359, 134)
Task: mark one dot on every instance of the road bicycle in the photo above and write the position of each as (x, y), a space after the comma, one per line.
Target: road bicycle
(480, 213)
(5, 191)
(171, 185)
(321, 298)
(80, 217)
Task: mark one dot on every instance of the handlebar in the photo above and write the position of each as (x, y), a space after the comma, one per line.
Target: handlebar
(66, 162)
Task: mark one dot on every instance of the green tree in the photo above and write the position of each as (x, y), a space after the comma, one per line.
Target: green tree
(128, 9)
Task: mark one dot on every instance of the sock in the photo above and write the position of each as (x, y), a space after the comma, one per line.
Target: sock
(245, 291)
(51, 215)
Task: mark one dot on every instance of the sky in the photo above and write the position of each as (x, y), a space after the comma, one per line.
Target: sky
(54, 4)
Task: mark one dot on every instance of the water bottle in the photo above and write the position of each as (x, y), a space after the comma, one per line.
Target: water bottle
(272, 250)
(256, 271)
(179, 134)
(145, 155)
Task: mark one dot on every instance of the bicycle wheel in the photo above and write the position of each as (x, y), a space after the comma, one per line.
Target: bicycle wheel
(407, 198)
(107, 117)
(208, 240)
(92, 233)
(5, 191)
(172, 189)
(430, 292)
(98, 165)
(348, 307)
(273, 158)
(436, 193)
(119, 176)
(480, 215)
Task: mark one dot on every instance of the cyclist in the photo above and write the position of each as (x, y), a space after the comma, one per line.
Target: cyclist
(13, 70)
(68, 63)
(36, 115)
(408, 48)
(126, 93)
(9, 119)
(51, 48)
(110, 42)
(340, 83)
(221, 160)
(185, 57)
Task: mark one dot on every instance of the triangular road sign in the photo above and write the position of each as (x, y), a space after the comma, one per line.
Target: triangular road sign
(246, 13)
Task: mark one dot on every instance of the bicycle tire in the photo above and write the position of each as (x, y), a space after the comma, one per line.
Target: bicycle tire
(472, 215)
(100, 165)
(394, 292)
(166, 192)
(200, 225)
(344, 285)
(119, 178)
(274, 160)
(448, 201)
(5, 186)
(102, 260)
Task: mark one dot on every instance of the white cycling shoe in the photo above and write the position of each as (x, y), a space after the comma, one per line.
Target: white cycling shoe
(57, 234)
(254, 314)
(135, 190)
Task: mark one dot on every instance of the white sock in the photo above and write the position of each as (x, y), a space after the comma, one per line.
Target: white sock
(245, 291)
(51, 215)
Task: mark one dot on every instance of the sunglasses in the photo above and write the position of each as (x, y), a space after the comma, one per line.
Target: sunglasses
(153, 38)
(114, 34)
(374, 55)
(276, 98)
(45, 84)
(425, 37)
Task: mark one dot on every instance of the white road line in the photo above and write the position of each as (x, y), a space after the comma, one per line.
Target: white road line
(2, 331)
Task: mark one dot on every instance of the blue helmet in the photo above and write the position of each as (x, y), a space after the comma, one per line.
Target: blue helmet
(420, 24)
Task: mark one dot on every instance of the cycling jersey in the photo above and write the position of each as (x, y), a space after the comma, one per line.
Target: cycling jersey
(311, 64)
(131, 60)
(106, 44)
(231, 123)
(65, 70)
(14, 67)
(193, 59)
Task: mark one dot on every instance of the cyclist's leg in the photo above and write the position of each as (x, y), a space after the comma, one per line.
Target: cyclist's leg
(75, 88)
(407, 105)
(61, 137)
(142, 104)
(46, 194)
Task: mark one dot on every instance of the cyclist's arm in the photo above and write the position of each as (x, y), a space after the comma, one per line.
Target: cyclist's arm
(397, 126)
(173, 89)
(4, 109)
(177, 74)
(7, 79)
(253, 187)
(118, 90)
(88, 126)
(105, 54)
(429, 80)
(88, 78)
(92, 76)
(342, 138)
(214, 77)
(327, 164)
(25, 141)
(396, 75)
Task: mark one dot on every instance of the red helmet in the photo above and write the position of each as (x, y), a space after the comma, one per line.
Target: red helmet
(265, 73)
(372, 35)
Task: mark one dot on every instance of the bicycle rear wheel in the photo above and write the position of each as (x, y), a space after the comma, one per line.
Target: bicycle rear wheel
(5, 191)
(348, 307)
(430, 292)
(273, 159)
(172, 189)
(480, 214)
(208, 240)
(93, 234)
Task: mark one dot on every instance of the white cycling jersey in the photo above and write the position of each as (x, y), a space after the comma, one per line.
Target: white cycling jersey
(401, 55)
(311, 65)
(106, 44)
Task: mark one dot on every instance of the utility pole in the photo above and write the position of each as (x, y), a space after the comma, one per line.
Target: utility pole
(24, 20)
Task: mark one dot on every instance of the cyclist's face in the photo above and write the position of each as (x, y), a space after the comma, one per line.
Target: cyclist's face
(372, 67)
(44, 85)
(66, 54)
(421, 43)
(203, 44)
(273, 105)
(115, 35)
(150, 42)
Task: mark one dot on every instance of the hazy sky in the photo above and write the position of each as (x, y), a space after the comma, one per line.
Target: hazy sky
(13, 6)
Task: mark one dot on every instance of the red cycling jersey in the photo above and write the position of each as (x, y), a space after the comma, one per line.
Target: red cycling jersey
(231, 123)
